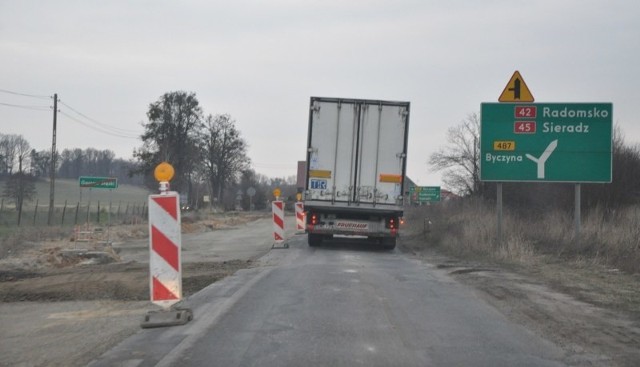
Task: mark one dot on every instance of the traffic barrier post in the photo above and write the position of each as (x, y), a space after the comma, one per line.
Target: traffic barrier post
(300, 226)
(165, 265)
(277, 208)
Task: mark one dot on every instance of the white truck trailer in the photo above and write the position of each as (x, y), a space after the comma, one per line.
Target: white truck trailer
(356, 166)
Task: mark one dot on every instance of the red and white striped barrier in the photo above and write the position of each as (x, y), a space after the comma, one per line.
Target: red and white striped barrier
(278, 220)
(299, 217)
(165, 276)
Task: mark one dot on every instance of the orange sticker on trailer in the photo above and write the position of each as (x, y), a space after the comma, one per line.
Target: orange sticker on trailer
(319, 173)
(390, 178)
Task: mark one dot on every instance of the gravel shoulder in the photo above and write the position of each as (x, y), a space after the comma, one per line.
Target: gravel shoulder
(591, 312)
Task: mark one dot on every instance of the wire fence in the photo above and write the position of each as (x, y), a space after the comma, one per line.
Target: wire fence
(70, 214)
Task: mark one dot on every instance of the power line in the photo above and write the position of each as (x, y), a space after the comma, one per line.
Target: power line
(25, 94)
(98, 128)
(103, 125)
(27, 107)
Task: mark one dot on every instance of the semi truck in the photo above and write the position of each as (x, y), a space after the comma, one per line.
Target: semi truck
(356, 169)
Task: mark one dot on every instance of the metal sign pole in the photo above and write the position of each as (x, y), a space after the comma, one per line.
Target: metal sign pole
(499, 210)
(109, 217)
(577, 212)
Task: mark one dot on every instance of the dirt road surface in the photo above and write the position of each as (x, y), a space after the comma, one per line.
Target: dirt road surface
(59, 307)
(56, 311)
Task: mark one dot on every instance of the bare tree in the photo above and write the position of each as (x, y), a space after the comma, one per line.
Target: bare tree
(459, 161)
(20, 186)
(8, 152)
(22, 153)
(14, 149)
(40, 163)
(225, 152)
(624, 188)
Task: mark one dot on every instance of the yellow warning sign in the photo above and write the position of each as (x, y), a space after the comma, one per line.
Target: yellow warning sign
(516, 90)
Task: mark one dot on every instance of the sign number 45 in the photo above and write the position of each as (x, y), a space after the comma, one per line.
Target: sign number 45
(524, 127)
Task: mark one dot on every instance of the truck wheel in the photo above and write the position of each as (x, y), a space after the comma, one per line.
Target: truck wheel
(389, 243)
(314, 239)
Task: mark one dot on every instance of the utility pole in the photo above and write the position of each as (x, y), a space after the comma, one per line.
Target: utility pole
(52, 178)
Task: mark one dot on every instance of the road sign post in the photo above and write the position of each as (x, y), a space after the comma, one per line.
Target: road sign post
(546, 142)
(90, 182)
(98, 182)
(425, 194)
(251, 192)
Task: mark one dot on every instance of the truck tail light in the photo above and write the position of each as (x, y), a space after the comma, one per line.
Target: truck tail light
(311, 219)
(391, 223)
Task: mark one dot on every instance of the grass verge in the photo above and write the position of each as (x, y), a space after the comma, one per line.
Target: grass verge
(468, 228)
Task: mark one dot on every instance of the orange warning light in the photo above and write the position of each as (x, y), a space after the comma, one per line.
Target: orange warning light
(164, 172)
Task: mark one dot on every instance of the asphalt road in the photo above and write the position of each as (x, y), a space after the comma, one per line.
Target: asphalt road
(342, 304)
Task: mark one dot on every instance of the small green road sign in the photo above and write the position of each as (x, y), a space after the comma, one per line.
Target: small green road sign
(425, 193)
(98, 182)
(546, 142)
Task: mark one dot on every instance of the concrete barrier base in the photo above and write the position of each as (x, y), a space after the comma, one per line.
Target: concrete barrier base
(283, 245)
(165, 318)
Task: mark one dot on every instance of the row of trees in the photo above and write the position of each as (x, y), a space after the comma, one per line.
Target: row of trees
(17, 156)
(236, 195)
(459, 163)
(207, 152)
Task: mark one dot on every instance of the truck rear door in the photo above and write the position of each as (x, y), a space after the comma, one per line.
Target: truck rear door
(356, 151)
(382, 153)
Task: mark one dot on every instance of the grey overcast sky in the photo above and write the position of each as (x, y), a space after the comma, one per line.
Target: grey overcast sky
(260, 61)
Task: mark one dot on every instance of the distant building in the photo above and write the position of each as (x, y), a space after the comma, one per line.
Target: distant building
(408, 184)
(301, 178)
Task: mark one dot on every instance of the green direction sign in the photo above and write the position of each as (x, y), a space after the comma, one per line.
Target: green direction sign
(99, 182)
(546, 142)
(425, 193)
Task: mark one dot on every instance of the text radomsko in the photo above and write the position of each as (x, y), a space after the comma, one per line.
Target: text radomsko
(551, 127)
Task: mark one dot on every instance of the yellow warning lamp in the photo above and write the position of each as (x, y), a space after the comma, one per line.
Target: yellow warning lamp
(164, 173)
